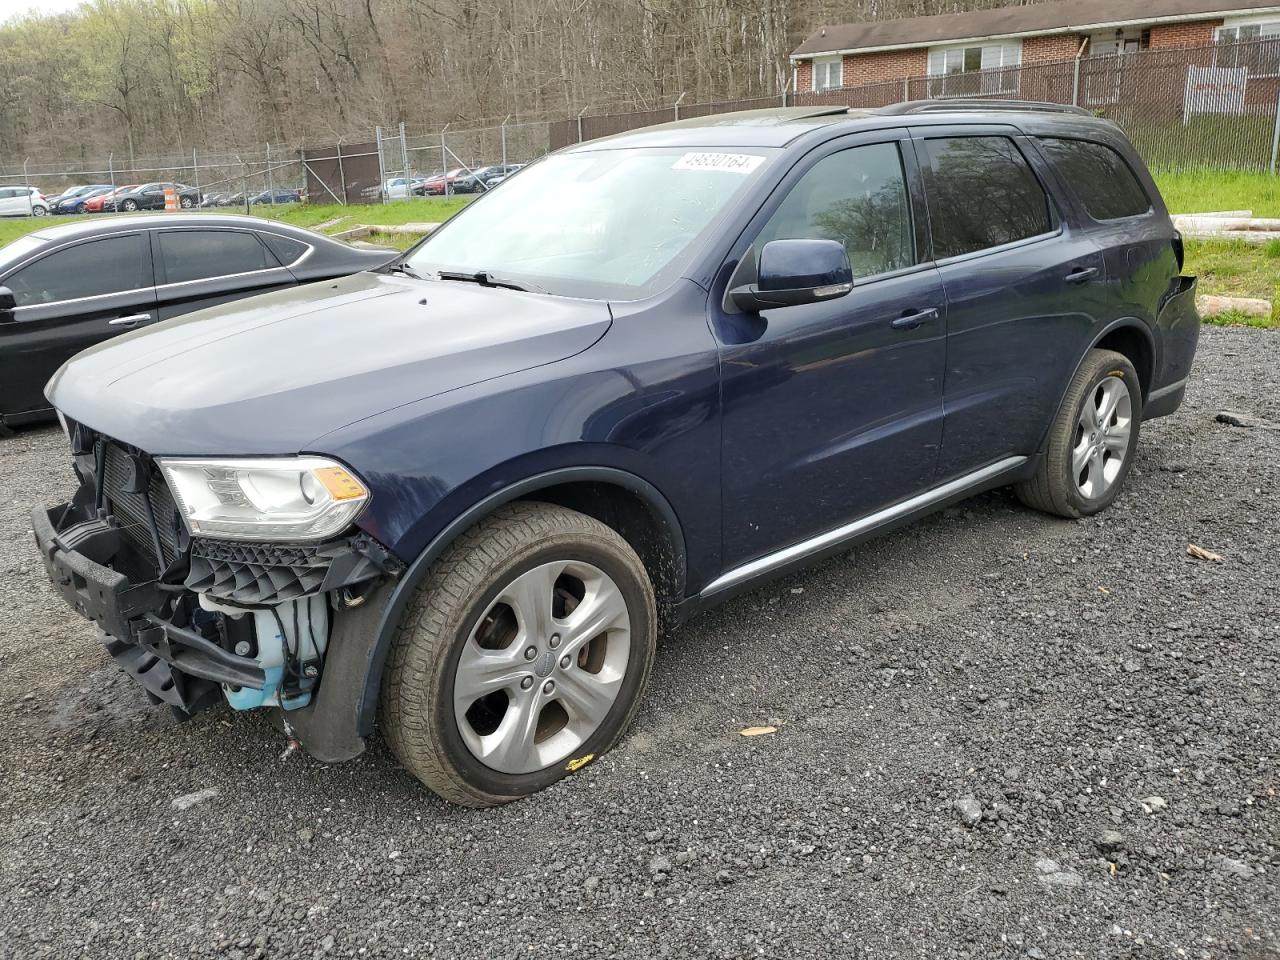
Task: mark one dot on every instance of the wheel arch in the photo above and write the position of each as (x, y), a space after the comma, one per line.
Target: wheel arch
(622, 500)
(1129, 337)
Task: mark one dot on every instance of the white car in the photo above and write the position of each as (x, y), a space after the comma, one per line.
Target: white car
(399, 188)
(22, 202)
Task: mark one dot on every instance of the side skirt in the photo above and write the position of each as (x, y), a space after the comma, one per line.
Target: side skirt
(756, 572)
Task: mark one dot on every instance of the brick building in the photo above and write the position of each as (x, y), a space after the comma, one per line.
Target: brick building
(983, 52)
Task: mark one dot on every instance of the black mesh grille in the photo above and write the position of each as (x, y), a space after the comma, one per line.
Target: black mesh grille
(130, 508)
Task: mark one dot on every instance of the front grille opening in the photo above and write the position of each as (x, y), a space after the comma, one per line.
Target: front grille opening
(129, 508)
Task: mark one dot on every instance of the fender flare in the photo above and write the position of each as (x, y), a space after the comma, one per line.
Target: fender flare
(402, 590)
(1120, 324)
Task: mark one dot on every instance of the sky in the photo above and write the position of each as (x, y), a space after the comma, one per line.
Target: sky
(13, 8)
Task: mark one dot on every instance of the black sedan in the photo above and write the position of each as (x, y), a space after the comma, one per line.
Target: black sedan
(66, 288)
(151, 196)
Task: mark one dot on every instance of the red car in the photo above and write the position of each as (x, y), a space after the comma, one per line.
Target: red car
(435, 186)
(106, 201)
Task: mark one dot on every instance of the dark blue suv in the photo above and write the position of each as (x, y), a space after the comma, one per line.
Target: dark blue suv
(459, 497)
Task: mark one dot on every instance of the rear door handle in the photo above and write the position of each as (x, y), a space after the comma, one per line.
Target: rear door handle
(1081, 274)
(130, 320)
(913, 319)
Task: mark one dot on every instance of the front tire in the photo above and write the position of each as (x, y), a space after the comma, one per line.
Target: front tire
(130, 206)
(521, 657)
(1092, 442)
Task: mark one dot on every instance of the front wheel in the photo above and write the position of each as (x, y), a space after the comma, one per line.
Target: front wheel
(522, 656)
(186, 203)
(1092, 441)
(130, 205)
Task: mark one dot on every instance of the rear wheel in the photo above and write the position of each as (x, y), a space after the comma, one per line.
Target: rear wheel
(39, 211)
(186, 203)
(522, 656)
(1092, 441)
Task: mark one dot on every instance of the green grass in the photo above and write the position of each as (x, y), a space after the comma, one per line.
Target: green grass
(1233, 268)
(1208, 191)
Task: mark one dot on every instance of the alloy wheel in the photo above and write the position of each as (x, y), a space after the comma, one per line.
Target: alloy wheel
(1102, 437)
(543, 666)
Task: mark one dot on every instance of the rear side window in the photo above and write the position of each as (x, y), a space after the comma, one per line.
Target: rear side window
(858, 197)
(1100, 177)
(982, 193)
(111, 265)
(202, 254)
(286, 249)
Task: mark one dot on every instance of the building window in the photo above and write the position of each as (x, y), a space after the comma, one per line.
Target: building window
(1252, 44)
(974, 71)
(828, 73)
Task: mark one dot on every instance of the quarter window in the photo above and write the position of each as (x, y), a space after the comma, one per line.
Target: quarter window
(1099, 176)
(857, 196)
(110, 265)
(982, 193)
(286, 249)
(201, 254)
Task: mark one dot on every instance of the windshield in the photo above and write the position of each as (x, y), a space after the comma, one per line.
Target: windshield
(604, 223)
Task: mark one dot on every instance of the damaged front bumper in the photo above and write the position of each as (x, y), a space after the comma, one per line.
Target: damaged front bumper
(250, 622)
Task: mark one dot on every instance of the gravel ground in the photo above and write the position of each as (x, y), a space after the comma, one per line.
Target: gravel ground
(999, 735)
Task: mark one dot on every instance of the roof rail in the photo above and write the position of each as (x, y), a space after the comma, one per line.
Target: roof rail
(965, 103)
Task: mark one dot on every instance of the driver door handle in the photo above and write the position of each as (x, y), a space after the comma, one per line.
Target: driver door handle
(129, 321)
(913, 319)
(1081, 274)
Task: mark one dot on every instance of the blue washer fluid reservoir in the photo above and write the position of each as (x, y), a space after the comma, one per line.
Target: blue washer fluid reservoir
(307, 645)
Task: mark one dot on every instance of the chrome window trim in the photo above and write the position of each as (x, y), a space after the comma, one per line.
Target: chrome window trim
(848, 531)
(40, 255)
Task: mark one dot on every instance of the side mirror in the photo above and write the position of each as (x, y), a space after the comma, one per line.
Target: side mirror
(796, 271)
(7, 303)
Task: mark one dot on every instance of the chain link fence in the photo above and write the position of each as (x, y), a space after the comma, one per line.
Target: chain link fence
(1212, 106)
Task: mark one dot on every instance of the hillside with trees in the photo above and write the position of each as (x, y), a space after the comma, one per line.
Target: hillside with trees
(164, 76)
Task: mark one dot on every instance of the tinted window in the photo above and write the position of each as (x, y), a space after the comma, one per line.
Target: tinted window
(1099, 176)
(858, 197)
(982, 193)
(85, 270)
(286, 249)
(200, 254)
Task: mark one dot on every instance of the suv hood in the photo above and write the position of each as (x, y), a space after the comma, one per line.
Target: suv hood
(269, 374)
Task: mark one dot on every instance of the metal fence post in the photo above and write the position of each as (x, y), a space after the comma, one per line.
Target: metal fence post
(504, 138)
(342, 175)
(382, 166)
(1075, 83)
(244, 183)
(195, 175)
(580, 113)
(26, 185)
(906, 89)
(1275, 136)
(444, 162)
(111, 169)
(404, 159)
(677, 104)
(271, 183)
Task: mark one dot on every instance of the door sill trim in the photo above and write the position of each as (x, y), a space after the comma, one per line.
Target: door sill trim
(921, 501)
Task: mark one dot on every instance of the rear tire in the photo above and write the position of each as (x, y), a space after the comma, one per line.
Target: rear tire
(521, 657)
(1092, 442)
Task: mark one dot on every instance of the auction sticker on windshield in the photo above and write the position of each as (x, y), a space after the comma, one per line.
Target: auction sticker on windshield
(742, 163)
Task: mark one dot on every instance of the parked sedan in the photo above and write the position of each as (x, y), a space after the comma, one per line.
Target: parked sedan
(71, 194)
(75, 202)
(68, 287)
(106, 202)
(485, 177)
(443, 182)
(151, 196)
(278, 195)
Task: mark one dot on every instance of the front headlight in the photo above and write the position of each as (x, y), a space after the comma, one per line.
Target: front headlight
(271, 498)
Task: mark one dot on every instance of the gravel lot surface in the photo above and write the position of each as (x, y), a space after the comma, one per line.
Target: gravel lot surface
(999, 735)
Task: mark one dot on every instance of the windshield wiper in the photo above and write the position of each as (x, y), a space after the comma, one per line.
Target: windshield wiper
(407, 270)
(482, 277)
